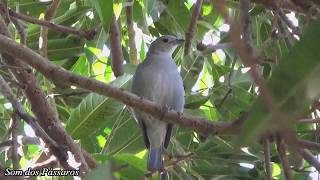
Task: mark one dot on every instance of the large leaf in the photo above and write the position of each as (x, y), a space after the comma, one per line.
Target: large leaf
(62, 48)
(294, 85)
(190, 70)
(103, 171)
(104, 9)
(94, 111)
(125, 135)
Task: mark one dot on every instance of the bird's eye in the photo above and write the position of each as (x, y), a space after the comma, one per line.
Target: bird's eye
(165, 40)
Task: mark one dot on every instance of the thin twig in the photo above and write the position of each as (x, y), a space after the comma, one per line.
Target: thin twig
(116, 48)
(43, 39)
(89, 35)
(174, 161)
(69, 94)
(308, 156)
(21, 28)
(15, 67)
(245, 23)
(295, 29)
(49, 163)
(283, 17)
(288, 5)
(207, 49)
(192, 26)
(5, 89)
(267, 159)
(309, 121)
(283, 31)
(310, 8)
(13, 82)
(228, 84)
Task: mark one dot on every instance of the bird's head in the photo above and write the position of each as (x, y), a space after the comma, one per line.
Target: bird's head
(165, 44)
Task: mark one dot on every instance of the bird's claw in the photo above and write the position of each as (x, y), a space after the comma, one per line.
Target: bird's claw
(164, 110)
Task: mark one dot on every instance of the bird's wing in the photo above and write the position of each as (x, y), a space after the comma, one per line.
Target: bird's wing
(140, 88)
(176, 102)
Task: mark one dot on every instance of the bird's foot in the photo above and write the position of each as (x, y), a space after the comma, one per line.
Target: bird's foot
(164, 110)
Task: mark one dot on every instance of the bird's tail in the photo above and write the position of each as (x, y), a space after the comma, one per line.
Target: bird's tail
(155, 159)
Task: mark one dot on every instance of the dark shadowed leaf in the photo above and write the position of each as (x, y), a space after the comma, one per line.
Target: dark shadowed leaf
(293, 85)
(104, 9)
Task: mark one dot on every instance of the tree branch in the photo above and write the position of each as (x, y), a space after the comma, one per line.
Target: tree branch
(15, 145)
(281, 147)
(63, 77)
(43, 49)
(43, 39)
(245, 23)
(301, 6)
(41, 108)
(267, 159)
(131, 34)
(5, 89)
(313, 161)
(21, 29)
(49, 163)
(192, 26)
(309, 121)
(309, 7)
(283, 17)
(116, 48)
(206, 49)
(309, 145)
(89, 35)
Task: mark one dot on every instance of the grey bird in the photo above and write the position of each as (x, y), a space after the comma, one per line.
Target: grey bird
(157, 79)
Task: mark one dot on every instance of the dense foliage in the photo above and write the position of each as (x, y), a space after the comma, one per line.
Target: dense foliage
(218, 86)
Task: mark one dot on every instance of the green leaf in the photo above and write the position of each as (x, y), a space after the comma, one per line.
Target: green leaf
(81, 67)
(104, 9)
(148, 5)
(191, 68)
(103, 171)
(136, 166)
(195, 101)
(175, 19)
(238, 101)
(125, 136)
(62, 48)
(94, 111)
(132, 160)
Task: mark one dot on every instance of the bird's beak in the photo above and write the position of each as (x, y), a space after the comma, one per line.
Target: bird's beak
(179, 41)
